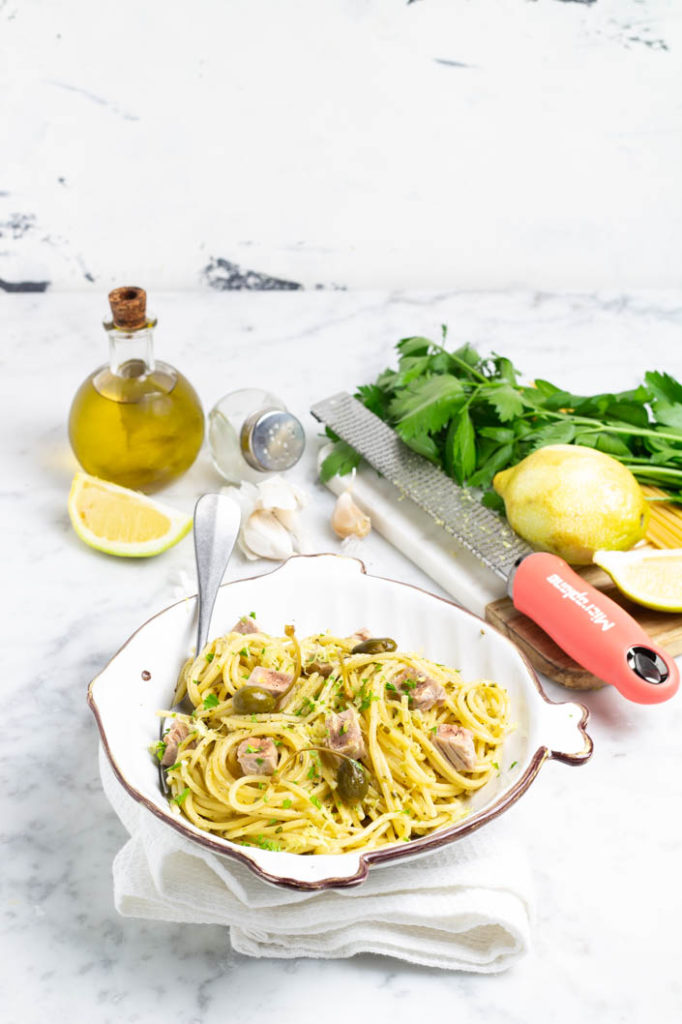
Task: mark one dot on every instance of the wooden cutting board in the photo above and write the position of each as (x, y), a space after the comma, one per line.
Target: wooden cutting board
(544, 655)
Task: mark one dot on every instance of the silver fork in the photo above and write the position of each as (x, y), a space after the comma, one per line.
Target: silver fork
(217, 519)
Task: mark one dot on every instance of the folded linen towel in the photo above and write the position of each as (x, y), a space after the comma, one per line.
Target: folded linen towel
(465, 907)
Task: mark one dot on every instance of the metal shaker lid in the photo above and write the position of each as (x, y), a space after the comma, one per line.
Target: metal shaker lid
(272, 440)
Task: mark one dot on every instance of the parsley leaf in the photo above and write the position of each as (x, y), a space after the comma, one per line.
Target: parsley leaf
(181, 797)
(506, 401)
(211, 701)
(426, 405)
(460, 447)
(341, 461)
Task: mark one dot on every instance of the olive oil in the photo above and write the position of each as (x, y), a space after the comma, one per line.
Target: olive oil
(136, 421)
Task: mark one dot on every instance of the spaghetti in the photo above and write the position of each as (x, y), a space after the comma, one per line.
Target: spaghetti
(408, 711)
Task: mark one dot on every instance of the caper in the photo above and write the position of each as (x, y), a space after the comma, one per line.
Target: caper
(253, 700)
(375, 645)
(352, 781)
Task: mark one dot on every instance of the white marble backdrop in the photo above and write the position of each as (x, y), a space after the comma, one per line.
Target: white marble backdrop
(346, 143)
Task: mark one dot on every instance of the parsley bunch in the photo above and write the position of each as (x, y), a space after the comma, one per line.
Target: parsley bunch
(470, 415)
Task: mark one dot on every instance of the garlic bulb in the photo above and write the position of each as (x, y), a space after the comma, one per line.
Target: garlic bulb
(348, 520)
(270, 527)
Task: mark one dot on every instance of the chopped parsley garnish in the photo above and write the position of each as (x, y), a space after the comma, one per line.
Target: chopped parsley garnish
(366, 696)
(390, 686)
(181, 797)
(252, 615)
(160, 750)
(267, 844)
(495, 765)
(252, 750)
(172, 767)
(259, 760)
(211, 701)
(434, 728)
(513, 765)
(273, 821)
(210, 657)
(286, 804)
(316, 802)
(253, 717)
(244, 652)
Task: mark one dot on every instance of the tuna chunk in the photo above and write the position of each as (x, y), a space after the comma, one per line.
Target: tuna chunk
(323, 668)
(257, 755)
(456, 744)
(175, 735)
(345, 735)
(276, 683)
(422, 690)
(245, 625)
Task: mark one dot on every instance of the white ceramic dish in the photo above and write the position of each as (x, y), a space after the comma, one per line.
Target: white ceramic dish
(315, 593)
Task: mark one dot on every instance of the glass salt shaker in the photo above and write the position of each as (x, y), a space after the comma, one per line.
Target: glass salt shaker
(251, 433)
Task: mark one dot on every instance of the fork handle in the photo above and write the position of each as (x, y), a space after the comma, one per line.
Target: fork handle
(216, 525)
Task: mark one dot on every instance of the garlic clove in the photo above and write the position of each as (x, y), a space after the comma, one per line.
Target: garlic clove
(263, 536)
(278, 493)
(288, 518)
(348, 520)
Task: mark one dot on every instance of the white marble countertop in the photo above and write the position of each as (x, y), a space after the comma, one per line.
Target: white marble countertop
(604, 841)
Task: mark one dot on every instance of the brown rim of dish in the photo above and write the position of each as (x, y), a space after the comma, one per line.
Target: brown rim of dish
(384, 854)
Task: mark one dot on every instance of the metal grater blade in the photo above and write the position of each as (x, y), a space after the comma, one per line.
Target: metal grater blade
(457, 509)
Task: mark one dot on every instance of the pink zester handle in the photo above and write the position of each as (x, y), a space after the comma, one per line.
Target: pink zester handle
(593, 629)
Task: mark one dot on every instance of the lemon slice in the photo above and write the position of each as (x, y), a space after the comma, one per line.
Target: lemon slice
(123, 522)
(652, 578)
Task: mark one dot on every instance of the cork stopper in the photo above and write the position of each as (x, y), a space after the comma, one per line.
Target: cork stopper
(129, 307)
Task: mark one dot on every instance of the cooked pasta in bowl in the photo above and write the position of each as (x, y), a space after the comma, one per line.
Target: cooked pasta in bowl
(328, 744)
(336, 720)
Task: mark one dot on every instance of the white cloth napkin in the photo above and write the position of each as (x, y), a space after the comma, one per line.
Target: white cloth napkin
(466, 907)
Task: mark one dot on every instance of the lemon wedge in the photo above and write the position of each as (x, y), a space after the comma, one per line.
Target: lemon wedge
(123, 522)
(652, 578)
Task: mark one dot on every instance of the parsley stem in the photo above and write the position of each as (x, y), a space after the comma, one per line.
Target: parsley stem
(609, 428)
(461, 363)
(657, 472)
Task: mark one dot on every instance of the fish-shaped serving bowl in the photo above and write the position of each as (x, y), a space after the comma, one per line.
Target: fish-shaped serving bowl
(317, 593)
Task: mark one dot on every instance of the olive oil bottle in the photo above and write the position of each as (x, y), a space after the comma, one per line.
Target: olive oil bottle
(135, 421)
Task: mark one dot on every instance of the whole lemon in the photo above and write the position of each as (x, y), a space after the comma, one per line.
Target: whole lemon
(572, 501)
